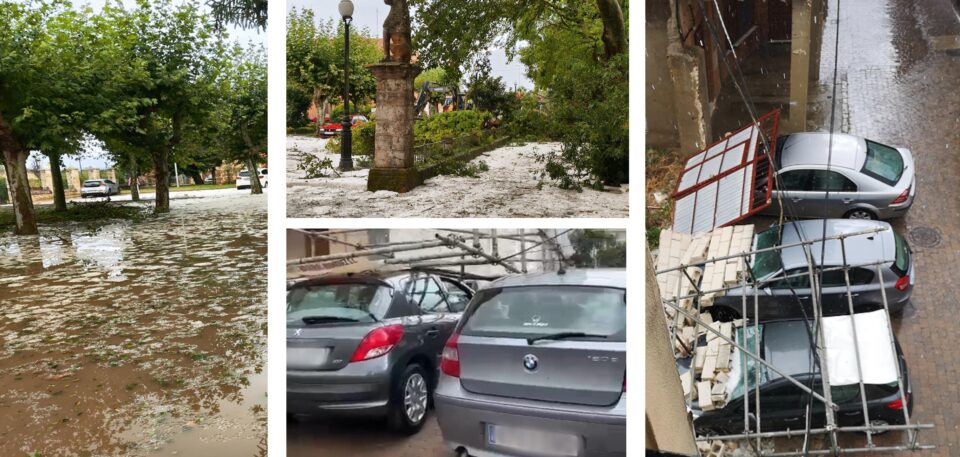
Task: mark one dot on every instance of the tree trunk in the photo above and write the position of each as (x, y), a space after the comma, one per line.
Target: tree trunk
(59, 197)
(15, 164)
(320, 102)
(255, 187)
(161, 163)
(614, 30)
(134, 179)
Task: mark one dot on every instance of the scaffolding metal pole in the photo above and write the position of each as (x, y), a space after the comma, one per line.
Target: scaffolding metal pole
(474, 251)
(816, 431)
(893, 347)
(779, 248)
(364, 253)
(853, 327)
(816, 300)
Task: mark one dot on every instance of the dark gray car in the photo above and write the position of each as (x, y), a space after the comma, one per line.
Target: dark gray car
(783, 285)
(537, 367)
(369, 344)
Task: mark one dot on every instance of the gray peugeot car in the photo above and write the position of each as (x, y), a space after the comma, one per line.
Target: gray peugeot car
(369, 344)
(781, 281)
(864, 180)
(537, 367)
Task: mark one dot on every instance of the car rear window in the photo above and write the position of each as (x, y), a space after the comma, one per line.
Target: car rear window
(358, 302)
(883, 163)
(244, 174)
(91, 184)
(531, 311)
(901, 264)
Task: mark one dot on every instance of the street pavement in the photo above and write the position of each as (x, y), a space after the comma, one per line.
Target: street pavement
(361, 437)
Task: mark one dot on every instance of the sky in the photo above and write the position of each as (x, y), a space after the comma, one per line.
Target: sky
(94, 155)
(370, 14)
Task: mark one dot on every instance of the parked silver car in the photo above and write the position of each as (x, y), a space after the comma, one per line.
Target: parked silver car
(782, 279)
(537, 367)
(865, 180)
(99, 188)
(369, 344)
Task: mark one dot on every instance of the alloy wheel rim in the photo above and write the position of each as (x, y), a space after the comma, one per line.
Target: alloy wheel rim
(860, 215)
(415, 398)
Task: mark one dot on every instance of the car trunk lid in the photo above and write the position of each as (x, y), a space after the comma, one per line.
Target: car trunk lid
(551, 343)
(578, 372)
(324, 347)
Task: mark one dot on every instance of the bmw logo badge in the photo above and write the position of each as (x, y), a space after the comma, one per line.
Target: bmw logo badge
(531, 362)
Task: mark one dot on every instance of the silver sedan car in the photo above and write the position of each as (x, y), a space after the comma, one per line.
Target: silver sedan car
(865, 179)
(537, 367)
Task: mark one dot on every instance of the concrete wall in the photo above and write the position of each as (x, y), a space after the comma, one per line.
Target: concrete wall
(661, 119)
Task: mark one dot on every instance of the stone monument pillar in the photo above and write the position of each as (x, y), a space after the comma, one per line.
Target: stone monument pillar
(393, 164)
(73, 179)
(393, 167)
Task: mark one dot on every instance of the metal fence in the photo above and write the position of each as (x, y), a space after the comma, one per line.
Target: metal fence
(686, 304)
(439, 152)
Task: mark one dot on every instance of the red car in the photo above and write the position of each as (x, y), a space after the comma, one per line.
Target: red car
(331, 129)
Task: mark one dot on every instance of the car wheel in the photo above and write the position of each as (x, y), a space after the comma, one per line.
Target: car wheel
(860, 213)
(411, 394)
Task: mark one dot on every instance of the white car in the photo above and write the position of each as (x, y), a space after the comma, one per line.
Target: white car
(99, 188)
(243, 178)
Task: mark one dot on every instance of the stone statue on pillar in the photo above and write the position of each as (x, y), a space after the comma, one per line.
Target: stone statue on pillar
(393, 161)
(396, 32)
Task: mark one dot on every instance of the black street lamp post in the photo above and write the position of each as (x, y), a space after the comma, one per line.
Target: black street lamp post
(346, 135)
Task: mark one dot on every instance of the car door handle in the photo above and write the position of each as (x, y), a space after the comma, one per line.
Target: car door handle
(847, 201)
(433, 332)
(796, 199)
(794, 419)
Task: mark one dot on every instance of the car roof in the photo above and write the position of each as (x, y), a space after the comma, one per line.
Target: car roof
(601, 277)
(812, 149)
(787, 348)
(861, 249)
(388, 278)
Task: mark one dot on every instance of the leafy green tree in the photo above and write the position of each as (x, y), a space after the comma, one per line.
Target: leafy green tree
(315, 62)
(46, 71)
(597, 249)
(166, 60)
(244, 130)
(242, 13)
(576, 52)
(489, 93)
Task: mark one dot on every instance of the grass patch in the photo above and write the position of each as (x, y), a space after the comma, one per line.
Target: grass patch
(663, 169)
(76, 212)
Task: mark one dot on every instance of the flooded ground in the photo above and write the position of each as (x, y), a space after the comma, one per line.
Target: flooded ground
(138, 339)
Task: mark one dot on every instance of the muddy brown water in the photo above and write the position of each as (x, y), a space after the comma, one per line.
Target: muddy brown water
(139, 339)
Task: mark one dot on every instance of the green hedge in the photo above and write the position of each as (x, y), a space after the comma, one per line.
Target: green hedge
(449, 125)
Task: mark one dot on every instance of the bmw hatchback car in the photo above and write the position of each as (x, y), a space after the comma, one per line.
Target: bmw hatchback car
(782, 279)
(537, 367)
(786, 345)
(369, 344)
(243, 178)
(864, 180)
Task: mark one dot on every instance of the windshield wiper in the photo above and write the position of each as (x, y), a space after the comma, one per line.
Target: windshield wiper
(563, 336)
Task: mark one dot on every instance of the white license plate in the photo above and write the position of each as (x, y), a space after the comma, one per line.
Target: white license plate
(306, 358)
(536, 441)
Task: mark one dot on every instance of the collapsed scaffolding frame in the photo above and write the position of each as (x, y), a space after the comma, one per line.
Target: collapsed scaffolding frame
(461, 255)
(814, 273)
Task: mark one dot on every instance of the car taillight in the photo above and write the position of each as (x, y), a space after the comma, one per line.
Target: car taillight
(898, 403)
(903, 283)
(902, 198)
(450, 358)
(377, 343)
